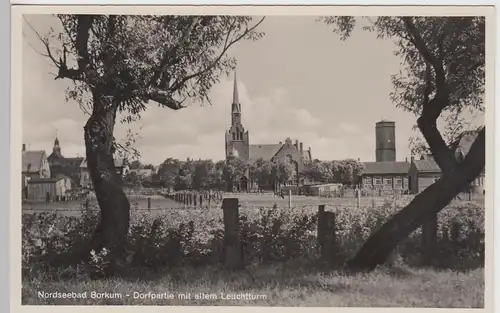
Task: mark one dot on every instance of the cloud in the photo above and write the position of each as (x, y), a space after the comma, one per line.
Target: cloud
(348, 127)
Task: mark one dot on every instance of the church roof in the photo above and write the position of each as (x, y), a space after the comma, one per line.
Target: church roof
(265, 152)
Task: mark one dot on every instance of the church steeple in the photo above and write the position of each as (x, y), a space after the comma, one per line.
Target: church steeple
(237, 142)
(236, 106)
(56, 149)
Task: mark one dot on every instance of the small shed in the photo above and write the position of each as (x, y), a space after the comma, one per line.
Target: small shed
(48, 189)
(323, 190)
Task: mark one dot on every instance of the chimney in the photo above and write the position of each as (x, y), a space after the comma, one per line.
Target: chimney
(301, 147)
(406, 160)
(359, 160)
(297, 144)
(24, 147)
(281, 142)
(412, 159)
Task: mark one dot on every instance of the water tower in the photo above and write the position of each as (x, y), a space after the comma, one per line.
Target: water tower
(385, 137)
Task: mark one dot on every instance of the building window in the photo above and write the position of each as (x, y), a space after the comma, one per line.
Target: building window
(398, 181)
(367, 181)
(377, 181)
(388, 181)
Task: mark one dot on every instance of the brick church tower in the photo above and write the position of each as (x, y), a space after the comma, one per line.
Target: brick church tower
(237, 142)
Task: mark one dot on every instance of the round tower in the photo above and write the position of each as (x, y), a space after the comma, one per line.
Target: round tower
(385, 138)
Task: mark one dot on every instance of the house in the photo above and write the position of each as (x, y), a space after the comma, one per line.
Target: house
(34, 165)
(85, 180)
(48, 189)
(385, 176)
(60, 165)
(425, 172)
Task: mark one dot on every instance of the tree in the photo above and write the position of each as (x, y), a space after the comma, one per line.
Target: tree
(443, 60)
(235, 168)
(120, 64)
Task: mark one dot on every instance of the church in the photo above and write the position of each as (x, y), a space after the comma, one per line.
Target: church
(60, 165)
(238, 142)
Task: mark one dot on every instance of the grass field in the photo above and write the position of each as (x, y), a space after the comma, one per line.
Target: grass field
(159, 203)
(275, 285)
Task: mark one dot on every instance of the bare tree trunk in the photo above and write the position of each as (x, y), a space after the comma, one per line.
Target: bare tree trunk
(379, 245)
(112, 230)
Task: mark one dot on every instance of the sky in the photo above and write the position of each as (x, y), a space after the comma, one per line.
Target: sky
(299, 81)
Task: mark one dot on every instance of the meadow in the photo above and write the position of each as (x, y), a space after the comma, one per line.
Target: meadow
(179, 248)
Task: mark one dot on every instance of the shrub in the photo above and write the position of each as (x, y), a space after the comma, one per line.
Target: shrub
(195, 236)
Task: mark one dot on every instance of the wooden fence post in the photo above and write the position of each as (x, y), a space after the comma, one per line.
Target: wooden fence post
(328, 237)
(201, 200)
(358, 197)
(149, 202)
(232, 245)
(429, 239)
(290, 198)
(195, 197)
(321, 227)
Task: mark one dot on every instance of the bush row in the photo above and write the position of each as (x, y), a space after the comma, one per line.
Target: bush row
(268, 235)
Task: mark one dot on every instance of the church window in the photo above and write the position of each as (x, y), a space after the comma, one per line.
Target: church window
(234, 136)
(241, 135)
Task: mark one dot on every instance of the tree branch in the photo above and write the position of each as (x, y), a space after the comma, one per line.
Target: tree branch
(84, 24)
(432, 109)
(227, 45)
(436, 63)
(162, 97)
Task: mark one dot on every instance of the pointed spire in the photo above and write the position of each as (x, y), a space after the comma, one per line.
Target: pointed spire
(235, 90)
(236, 107)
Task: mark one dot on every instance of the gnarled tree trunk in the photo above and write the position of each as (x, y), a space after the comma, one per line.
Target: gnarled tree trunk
(421, 209)
(112, 229)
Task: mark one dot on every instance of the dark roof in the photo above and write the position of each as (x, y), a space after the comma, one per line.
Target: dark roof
(265, 152)
(45, 180)
(427, 166)
(32, 160)
(386, 168)
(119, 162)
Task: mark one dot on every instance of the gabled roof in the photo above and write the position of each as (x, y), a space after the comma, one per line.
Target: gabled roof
(119, 162)
(427, 166)
(32, 161)
(265, 152)
(372, 168)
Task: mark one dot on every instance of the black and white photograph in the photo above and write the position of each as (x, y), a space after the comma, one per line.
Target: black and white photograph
(247, 157)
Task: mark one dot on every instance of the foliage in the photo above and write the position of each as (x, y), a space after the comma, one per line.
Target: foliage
(345, 171)
(195, 236)
(442, 61)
